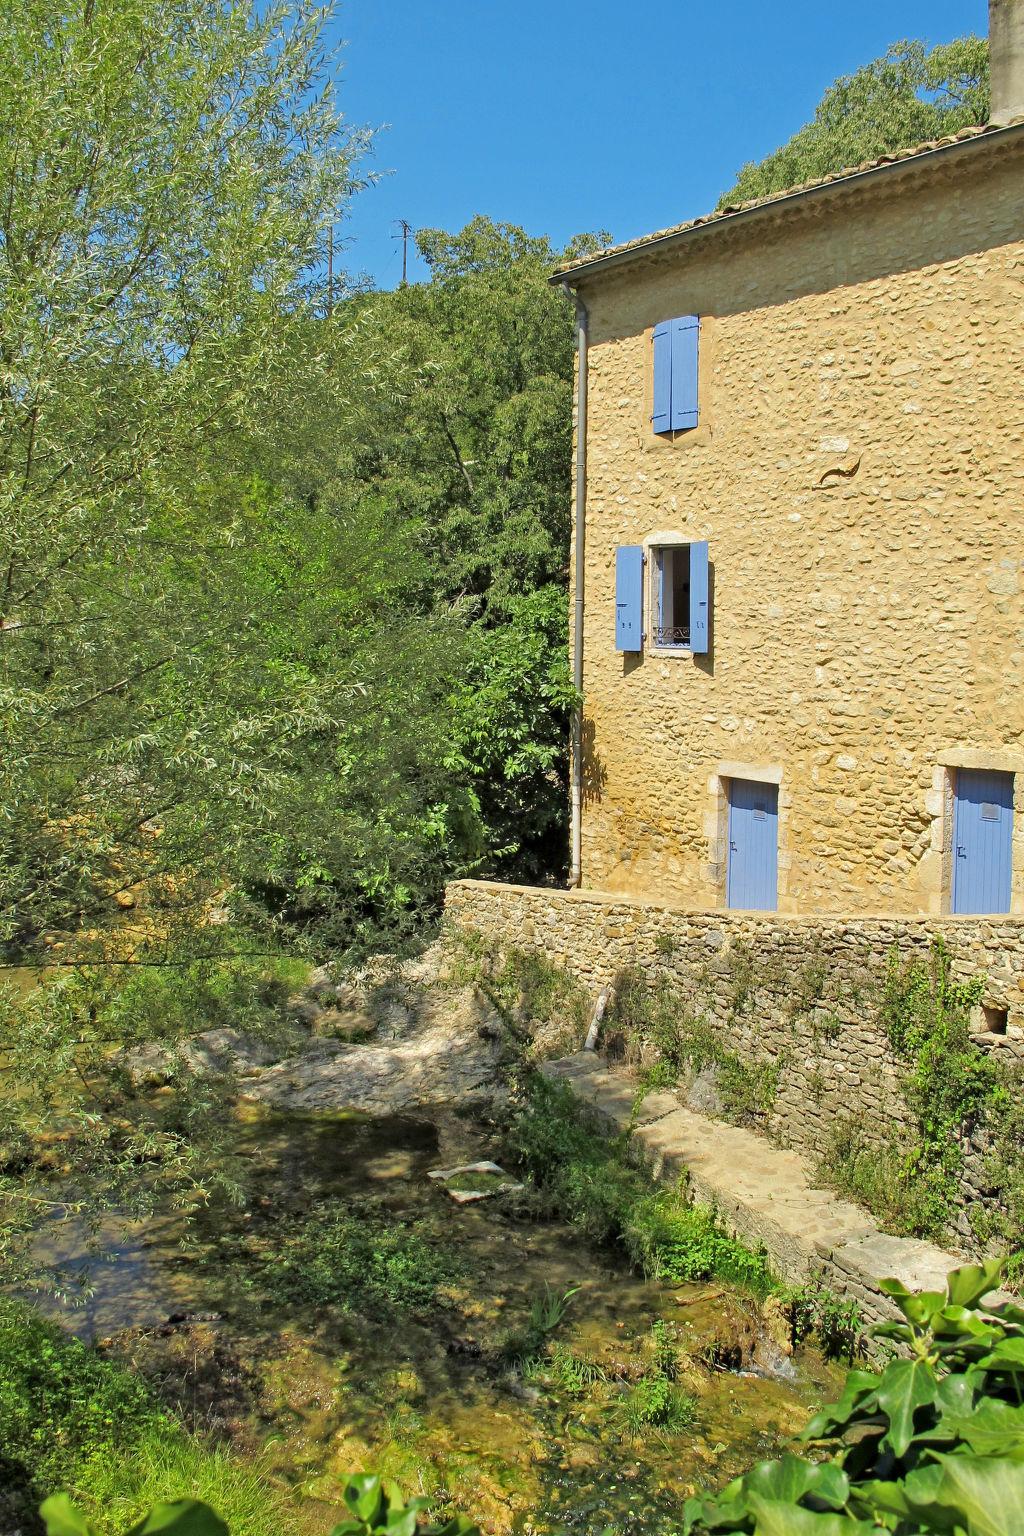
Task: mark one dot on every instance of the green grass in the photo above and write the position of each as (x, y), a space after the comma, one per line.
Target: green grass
(657, 1403)
(166, 1465)
(588, 1180)
(73, 1422)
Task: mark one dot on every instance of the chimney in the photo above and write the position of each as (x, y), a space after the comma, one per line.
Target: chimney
(1006, 60)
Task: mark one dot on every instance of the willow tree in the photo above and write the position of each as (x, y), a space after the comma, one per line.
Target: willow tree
(202, 691)
(910, 94)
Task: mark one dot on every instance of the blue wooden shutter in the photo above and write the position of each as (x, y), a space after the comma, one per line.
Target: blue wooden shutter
(629, 597)
(700, 598)
(661, 418)
(684, 341)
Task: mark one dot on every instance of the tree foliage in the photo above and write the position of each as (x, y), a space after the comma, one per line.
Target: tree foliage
(212, 734)
(282, 584)
(473, 449)
(909, 95)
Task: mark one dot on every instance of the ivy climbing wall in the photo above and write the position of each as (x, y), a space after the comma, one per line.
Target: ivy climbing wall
(812, 1002)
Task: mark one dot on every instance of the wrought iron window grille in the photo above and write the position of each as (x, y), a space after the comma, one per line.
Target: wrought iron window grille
(677, 636)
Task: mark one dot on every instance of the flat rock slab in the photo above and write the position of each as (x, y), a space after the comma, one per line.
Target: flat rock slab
(432, 1054)
(766, 1195)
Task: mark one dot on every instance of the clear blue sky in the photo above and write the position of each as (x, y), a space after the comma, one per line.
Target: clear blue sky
(617, 114)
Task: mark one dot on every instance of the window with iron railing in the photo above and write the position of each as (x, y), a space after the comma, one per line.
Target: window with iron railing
(672, 596)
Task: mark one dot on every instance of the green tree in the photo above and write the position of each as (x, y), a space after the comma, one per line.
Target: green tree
(211, 731)
(909, 95)
(474, 448)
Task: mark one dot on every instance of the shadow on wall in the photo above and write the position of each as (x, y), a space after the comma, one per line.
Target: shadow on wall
(595, 775)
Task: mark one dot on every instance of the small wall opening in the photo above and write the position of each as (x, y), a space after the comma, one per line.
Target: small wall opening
(995, 1019)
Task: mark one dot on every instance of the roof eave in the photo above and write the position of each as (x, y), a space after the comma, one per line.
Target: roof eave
(570, 276)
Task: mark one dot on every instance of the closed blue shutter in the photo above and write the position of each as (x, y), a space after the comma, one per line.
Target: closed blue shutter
(661, 418)
(684, 341)
(699, 598)
(629, 597)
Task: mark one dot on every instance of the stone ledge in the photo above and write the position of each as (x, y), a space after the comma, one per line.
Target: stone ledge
(1012, 922)
(765, 1195)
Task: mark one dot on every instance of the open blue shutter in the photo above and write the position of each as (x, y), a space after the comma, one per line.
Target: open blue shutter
(629, 597)
(661, 418)
(685, 338)
(699, 598)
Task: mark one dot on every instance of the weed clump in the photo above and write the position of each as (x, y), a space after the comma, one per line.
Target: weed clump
(344, 1253)
(653, 1027)
(543, 1007)
(588, 1180)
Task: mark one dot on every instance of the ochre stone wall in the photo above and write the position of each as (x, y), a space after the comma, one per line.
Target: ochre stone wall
(859, 475)
(800, 991)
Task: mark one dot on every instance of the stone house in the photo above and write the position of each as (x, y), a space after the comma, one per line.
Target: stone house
(799, 589)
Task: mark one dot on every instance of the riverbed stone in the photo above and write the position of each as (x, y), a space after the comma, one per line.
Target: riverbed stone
(424, 1047)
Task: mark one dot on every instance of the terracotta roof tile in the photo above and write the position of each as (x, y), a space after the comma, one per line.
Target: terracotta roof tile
(960, 137)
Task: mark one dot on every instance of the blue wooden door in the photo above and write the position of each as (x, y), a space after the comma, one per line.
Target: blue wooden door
(982, 841)
(753, 869)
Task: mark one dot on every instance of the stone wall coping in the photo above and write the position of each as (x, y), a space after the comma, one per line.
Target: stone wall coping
(855, 920)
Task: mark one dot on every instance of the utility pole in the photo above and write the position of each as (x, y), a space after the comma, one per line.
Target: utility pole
(406, 229)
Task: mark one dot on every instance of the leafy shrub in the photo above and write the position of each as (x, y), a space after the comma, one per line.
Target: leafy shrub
(951, 1087)
(835, 1321)
(934, 1443)
(61, 1406)
(927, 1018)
(69, 1418)
(670, 1240)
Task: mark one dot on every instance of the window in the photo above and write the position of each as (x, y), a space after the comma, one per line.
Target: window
(679, 597)
(675, 346)
(672, 595)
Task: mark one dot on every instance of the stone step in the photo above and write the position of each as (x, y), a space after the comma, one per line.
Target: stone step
(766, 1195)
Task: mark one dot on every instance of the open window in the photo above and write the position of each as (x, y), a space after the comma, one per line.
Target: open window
(677, 597)
(680, 597)
(672, 596)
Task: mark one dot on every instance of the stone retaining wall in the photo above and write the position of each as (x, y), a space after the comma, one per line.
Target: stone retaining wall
(801, 991)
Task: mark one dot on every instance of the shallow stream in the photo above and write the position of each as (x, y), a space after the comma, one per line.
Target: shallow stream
(427, 1394)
